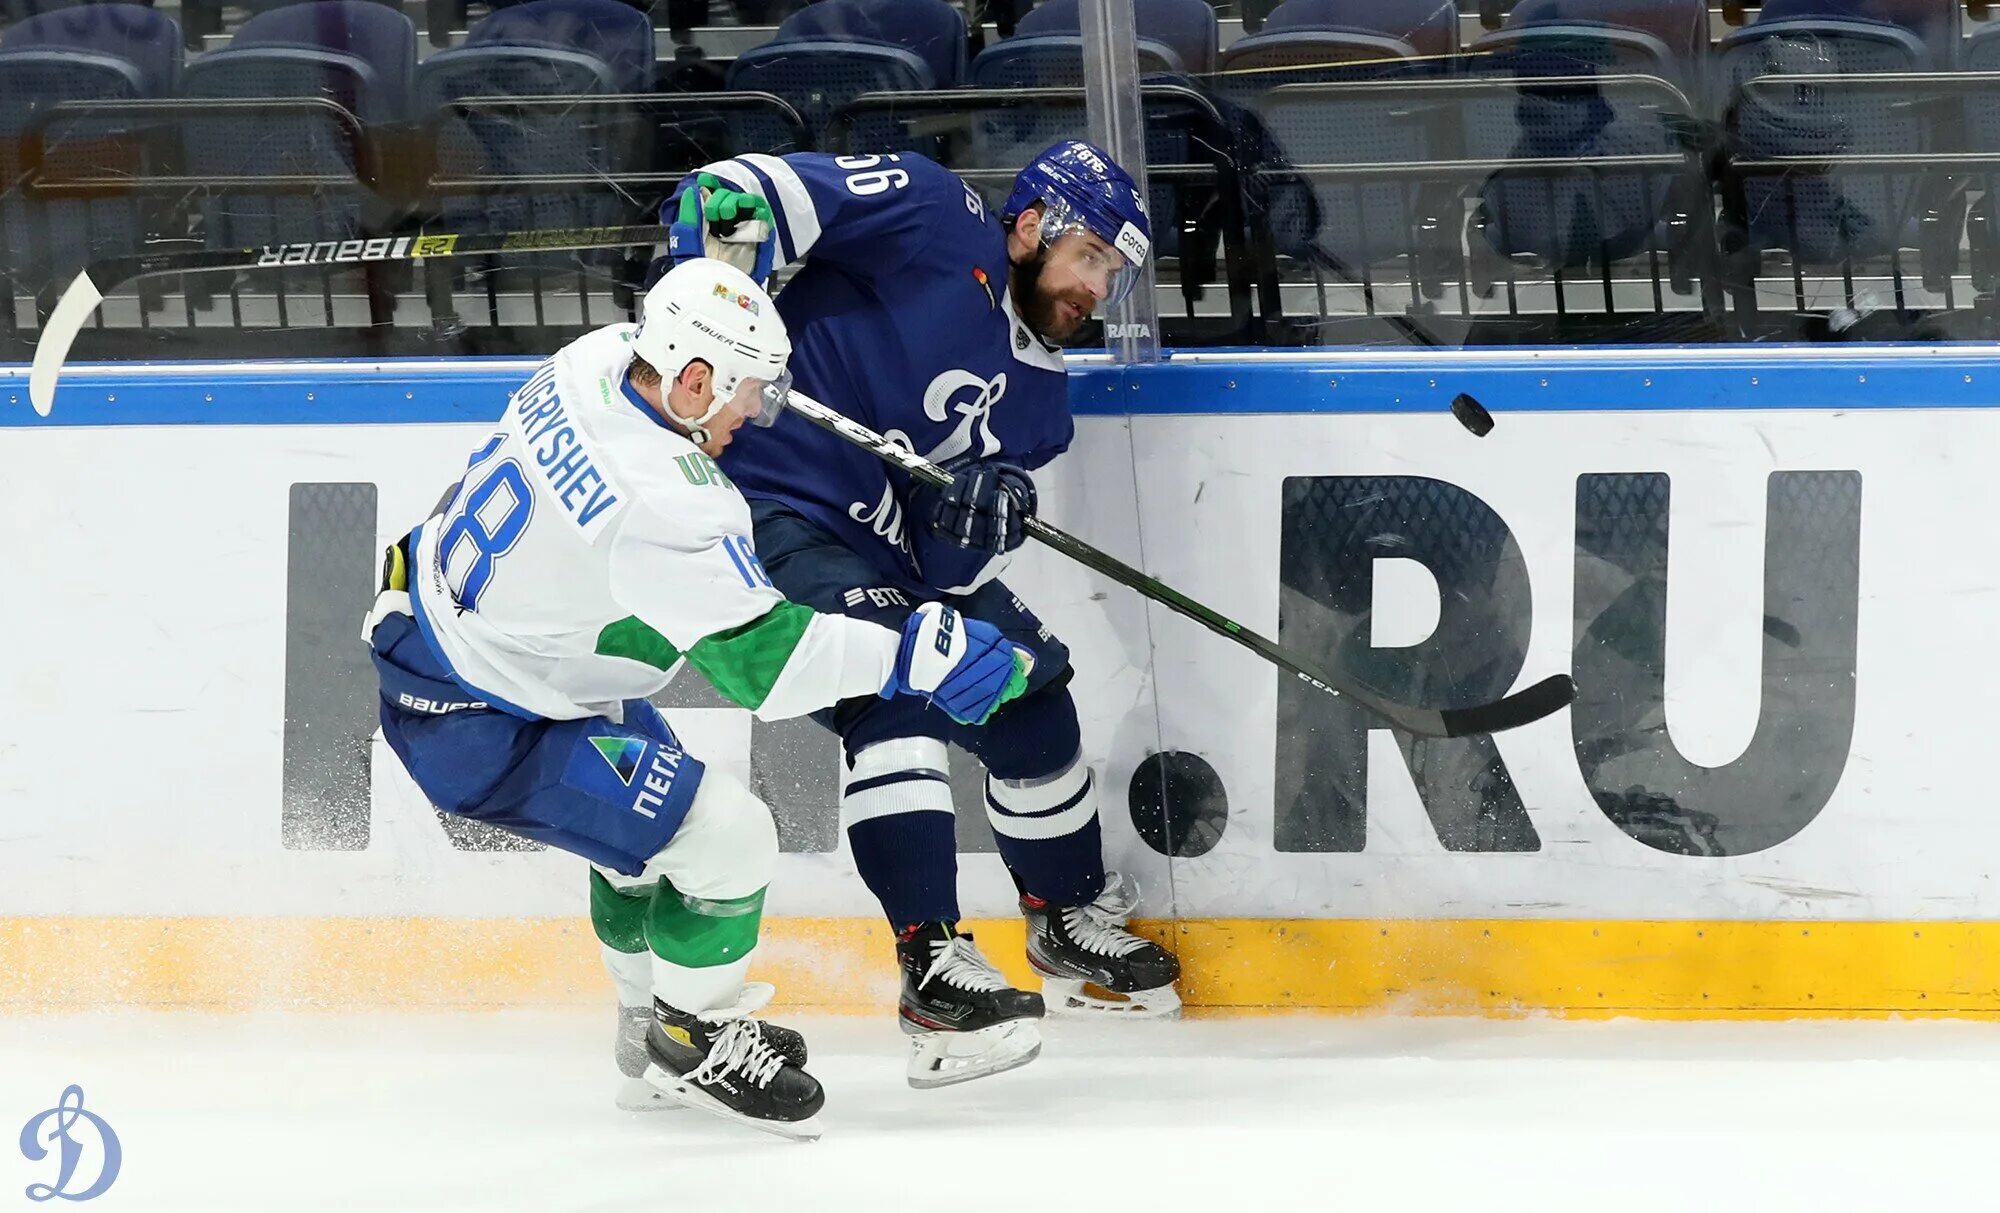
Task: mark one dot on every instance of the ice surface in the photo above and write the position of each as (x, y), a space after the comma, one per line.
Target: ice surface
(514, 1112)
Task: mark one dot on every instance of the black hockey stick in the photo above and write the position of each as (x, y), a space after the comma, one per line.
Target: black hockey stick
(1550, 695)
(87, 289)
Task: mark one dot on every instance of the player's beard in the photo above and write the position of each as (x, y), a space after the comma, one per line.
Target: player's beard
(1041, 310)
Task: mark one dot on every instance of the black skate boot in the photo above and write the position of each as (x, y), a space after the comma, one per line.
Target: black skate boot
(1089, 962)
(629, 1050)
(720, 1062)
(963, 1019)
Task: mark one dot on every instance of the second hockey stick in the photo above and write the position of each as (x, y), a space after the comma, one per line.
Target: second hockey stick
(1526, 706)
(80, 299)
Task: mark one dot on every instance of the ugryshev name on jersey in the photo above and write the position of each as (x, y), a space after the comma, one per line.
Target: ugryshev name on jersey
(564, 458)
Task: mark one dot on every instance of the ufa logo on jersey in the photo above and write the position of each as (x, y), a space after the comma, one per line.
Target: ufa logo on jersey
(86, 1150)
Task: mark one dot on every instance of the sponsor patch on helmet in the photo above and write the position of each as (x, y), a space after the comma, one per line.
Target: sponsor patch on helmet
(723, 291)
(1133, 243)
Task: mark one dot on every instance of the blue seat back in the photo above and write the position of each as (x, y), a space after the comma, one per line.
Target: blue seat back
(89, 53)
(1428, 27)
(1844, 214)
(132, 32)
(616, 33)
(1664, 38)
(366, 55)
(1982, 110)
(930, 29)
(1680, 25)
(565, 48)
(359, 55)
(1351, 224)
(1588, 216)
(1187, 27)
(817, 78)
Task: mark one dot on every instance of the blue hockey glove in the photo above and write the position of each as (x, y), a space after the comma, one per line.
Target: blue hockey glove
(986, 507)
(711, 218)
(962, 665)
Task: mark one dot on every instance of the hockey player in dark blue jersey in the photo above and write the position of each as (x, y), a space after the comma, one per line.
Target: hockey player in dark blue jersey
(927, 318)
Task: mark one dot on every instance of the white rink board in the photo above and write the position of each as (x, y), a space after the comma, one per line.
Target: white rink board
(140, 739)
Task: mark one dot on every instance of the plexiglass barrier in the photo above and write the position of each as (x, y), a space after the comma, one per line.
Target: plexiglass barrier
(1321, 172)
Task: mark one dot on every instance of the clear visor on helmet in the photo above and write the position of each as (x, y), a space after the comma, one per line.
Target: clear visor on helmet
(1108, 268)
(761, 400)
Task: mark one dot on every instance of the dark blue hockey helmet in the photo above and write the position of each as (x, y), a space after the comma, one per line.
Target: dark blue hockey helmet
(1083, 189)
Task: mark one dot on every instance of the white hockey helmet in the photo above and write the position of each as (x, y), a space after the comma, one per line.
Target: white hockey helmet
(711, 310)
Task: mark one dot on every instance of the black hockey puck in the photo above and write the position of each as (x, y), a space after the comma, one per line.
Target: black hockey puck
(1472, 415)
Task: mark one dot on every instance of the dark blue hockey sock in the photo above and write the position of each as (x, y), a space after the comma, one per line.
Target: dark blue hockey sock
(1040, 797)
(900, 827)
(1047, 832)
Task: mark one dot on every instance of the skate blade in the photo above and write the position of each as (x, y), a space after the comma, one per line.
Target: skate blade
(687, 1095)
(1081, 999)
(945, 1059)
(638, 1095)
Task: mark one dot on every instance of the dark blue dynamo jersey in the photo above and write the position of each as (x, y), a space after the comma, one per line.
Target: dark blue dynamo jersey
(899, 318)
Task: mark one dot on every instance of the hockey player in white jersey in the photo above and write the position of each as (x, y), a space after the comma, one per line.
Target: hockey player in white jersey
(591, 547)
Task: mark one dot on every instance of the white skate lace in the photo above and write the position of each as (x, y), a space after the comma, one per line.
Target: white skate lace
(1095, 930)
(1100, 926)
(739, 1046)
(958, 962)
(1119, 898)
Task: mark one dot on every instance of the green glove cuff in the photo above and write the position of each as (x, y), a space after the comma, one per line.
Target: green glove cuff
(1017, 683)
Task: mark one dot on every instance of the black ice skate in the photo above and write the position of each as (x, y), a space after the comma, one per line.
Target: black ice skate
(629, 1050)
(964, 1020)
(1089, 962)
(720, 1062)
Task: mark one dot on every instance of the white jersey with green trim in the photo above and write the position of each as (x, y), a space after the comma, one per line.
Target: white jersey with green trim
(590, 546)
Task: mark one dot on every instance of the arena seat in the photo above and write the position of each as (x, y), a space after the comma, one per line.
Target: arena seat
(1186, 27)
(1309, 40)
(1836, 217)
(358, 54)
(110, 52)
(12, 11)
(1982, 134)
(1344, 225)
(563, 48)
(828, 53)
(1591, 217)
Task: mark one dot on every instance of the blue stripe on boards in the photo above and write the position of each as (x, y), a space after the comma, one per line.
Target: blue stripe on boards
(1827, 378)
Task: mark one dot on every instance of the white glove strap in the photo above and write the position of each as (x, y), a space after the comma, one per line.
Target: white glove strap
(938, 648)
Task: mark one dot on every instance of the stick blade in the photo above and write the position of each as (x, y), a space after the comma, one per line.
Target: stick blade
(52, 350)
(1526, 706)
